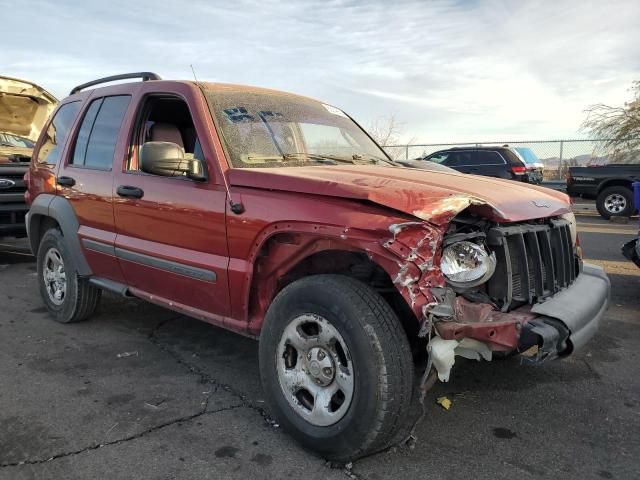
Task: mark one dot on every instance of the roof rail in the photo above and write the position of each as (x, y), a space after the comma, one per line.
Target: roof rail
(143, 75)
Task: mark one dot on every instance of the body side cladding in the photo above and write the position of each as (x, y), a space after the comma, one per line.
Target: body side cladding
(167, 265)
(151, 261)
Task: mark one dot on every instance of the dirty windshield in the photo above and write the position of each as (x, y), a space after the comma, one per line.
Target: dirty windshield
(272, 129)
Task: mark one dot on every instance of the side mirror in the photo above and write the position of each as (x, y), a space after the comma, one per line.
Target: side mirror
(168, 160)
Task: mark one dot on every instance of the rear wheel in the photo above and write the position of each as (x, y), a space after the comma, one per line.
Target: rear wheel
(615, 202)
(336, 366)
(68, 298)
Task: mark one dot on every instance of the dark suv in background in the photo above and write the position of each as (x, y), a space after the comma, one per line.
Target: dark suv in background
(500, 162)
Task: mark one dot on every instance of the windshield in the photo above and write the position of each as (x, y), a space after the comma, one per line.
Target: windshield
(273, 129)
(527, 155)
(9, 140)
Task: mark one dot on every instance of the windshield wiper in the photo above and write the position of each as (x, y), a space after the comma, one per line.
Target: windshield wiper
(301, 156)
(355, 159)
(376, 159)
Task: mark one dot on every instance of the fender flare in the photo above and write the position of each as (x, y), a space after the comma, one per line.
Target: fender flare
(59, 209)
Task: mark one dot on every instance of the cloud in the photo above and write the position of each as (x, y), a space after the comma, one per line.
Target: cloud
(449, 70)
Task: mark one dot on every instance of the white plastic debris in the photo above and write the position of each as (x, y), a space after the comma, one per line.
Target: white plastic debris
(444, 352)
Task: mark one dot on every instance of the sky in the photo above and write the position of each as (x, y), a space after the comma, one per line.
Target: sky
(447, 70)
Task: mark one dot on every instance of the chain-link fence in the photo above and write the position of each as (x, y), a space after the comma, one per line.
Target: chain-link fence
(556, 155)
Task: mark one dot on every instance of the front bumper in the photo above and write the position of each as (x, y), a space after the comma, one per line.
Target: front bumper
(559, 325)
(580, 307)
(12, 219)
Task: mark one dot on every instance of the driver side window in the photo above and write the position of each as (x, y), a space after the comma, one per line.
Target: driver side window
(165, 119)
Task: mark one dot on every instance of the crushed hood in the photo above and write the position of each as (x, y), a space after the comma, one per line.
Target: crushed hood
(433, 196)
(24, 107)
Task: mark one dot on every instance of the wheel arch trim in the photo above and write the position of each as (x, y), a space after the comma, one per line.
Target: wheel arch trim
(615, 182)
(60, 210)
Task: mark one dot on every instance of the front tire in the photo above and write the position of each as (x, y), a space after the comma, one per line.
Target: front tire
(336, 366)
(615, 202)
(68, 298)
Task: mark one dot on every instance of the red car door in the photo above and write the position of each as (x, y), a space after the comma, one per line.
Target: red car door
(171, 234)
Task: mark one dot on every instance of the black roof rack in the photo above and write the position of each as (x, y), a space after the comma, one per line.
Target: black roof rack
(143, 75)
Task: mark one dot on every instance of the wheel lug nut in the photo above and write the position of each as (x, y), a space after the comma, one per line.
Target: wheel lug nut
(326, 371)
(321, 355)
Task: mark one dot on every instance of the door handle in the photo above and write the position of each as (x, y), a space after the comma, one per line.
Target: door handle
(66, 181)
(128, 191)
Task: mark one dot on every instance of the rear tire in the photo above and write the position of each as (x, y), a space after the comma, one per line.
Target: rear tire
(367, 362)
(615, 202)
(68, 298)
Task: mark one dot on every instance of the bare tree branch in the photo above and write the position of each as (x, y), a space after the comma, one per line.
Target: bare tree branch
(386, 131)
(616, 129)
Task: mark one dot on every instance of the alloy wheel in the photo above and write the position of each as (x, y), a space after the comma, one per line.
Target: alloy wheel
(615, 203)
(55, 279)
(315, 370)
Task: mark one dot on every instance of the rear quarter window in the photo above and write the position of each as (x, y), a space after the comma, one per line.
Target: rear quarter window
(512, 158)
(459, 159)
(56, 134)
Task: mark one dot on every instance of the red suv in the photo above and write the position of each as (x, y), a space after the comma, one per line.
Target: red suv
(278, 217)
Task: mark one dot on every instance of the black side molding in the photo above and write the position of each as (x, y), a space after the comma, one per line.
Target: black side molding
(168, 265)
(150, 261)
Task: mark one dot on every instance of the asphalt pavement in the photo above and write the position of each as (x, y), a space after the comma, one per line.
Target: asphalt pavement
(140, 392)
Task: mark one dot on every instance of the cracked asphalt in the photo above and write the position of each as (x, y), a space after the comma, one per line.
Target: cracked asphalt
(141, 392)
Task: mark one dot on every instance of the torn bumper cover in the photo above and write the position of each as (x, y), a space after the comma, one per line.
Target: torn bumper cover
(579, 307)
(556, 327)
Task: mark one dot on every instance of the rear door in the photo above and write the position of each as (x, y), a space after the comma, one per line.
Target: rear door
(490, 164)
(461, 160)
(86, 179)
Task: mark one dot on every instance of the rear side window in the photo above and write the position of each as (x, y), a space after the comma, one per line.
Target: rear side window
(80, 150)
(98, 135)
(57, 133)
(489, 158)
(459, 159)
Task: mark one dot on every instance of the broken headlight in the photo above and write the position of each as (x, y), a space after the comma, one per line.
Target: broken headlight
(467, 264)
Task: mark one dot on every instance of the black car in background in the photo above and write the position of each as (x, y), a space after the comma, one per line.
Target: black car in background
(609, 185)
(500, 162)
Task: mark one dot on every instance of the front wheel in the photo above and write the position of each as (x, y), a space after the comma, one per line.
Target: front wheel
(68, 298)
(615, 202)
(336, 366)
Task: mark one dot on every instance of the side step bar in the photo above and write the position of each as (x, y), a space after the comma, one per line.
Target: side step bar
(110, 285)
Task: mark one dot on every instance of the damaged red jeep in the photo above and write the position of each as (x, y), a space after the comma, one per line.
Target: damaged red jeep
(278, 217)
